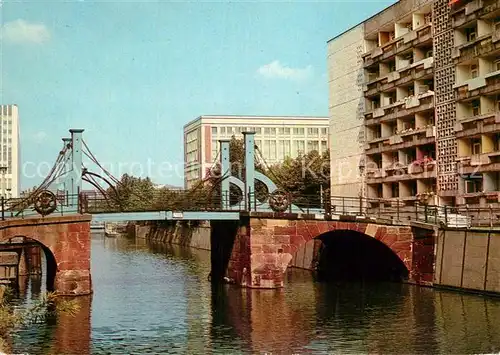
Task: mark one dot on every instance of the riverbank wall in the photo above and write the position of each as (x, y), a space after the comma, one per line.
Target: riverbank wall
(468, 260)
(185, 233)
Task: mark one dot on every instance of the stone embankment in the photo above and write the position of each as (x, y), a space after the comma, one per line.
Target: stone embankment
(190, 234)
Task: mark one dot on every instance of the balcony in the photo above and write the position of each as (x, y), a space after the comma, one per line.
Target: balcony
(479, 163)
(420, 70)
(397, 142)
(399, 172)
(418, 36)
(473, 10)
(485, 85)
(485, 123)
(483, 46)
(406, 107)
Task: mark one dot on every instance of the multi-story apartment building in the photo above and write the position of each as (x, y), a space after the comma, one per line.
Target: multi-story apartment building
(277, 137)
(476, 59)
(9, 151)
(416, 85)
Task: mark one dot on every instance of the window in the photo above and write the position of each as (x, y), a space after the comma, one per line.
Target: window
(286, 130)
(258, 130)
(428, 54)
(214, 130)
(496, 65)
(312, 131)
(395, 189)
(286, 149)
(476, 107)
(272, 154)
(476, 146)
(392, 97)
(267, 130)
(392, 66)
(474, 184)
(298, 131)
(474, 71)
(272, 131)
(312, 145)
(324, 131)
(223, 130)
(496, 24)
(266, 149)
(471, 34)
(300, 147)
(281, 130)
(281, 147)
(324, 146)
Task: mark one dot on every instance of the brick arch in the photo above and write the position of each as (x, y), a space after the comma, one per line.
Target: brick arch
(51, 263)
(68, 241)
(398, 239)
(273, 242)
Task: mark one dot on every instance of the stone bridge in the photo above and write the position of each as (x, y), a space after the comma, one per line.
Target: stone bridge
(257, 251)
(65, 241)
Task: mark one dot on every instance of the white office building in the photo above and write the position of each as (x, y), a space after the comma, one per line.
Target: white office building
(277, 137)
(9, 151)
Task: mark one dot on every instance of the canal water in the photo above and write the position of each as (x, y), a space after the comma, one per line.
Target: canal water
(156, 299)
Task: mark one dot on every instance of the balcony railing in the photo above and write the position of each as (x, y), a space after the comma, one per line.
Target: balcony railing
(486, 85)
(417, 36)
(483, 46)
(484, 123)
(472, 10)
(406, 107)
(417, 71)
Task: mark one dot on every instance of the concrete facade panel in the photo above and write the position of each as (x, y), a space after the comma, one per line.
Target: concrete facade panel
(493, 275)
(451, 268)
(475, 260)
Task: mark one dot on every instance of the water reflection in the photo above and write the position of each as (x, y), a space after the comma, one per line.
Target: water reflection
(155, 298)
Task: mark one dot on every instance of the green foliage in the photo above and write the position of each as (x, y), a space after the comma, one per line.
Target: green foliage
(132, 193)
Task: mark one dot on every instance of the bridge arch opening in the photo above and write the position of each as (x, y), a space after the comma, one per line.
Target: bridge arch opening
(46, 263)
(346, 255)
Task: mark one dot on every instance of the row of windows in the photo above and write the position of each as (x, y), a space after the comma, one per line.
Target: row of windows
(191, 146)
(311, 131)
(6, 110)
(274, 150)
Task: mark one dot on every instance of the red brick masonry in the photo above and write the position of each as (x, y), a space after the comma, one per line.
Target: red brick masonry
(263, 250)
(68, 239)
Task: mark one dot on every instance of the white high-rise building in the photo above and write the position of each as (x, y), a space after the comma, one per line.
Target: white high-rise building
(9, 151)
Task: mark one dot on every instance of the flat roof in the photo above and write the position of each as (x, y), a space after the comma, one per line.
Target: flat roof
(228, 117)
(362, 22)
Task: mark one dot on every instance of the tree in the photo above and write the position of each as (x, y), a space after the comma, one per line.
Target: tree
(306, 178)
(133, 193)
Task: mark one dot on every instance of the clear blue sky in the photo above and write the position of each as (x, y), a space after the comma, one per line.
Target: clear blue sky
(133, 73)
